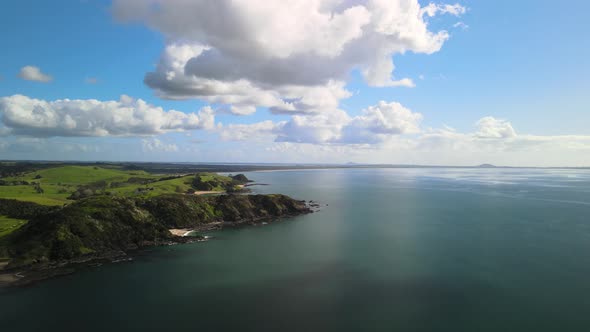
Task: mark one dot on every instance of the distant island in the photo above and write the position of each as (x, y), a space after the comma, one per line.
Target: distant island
(487, 166)
(55, 217)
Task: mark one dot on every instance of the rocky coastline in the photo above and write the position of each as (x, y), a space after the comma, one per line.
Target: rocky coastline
(60, 242)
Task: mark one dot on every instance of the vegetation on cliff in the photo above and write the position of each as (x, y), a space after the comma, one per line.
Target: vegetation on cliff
(102, 224)
(58, 213)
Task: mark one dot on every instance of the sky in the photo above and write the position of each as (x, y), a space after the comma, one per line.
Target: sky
(307, 81)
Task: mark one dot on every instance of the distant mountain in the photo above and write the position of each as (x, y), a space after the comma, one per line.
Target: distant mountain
(487, 166)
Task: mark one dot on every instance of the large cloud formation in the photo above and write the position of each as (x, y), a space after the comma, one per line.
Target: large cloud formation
(392, 133)
(22, 115)
(289, 56)
(376, 124)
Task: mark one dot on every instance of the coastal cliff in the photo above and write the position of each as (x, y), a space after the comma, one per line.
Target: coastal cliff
(100, 225)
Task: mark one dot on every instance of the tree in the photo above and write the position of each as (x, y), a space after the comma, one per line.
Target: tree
(38, 188)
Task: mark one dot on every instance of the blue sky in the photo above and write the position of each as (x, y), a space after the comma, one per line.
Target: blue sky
(523, 64)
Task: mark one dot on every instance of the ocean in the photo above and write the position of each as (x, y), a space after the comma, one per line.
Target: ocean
(411, 249)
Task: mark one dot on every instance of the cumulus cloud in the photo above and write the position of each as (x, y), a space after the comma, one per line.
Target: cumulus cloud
(380, 121)
(242, 95)
(389, 128)
(251, 53)
(155, 145)
(170, 82)
(442, 146)
(32, 73)
(127, 117)
(490, 127)
(320, 128)
(374, 125)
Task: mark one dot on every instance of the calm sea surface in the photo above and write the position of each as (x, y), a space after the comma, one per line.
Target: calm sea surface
(394, 250)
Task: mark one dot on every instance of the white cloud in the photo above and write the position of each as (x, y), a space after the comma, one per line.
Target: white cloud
(380, 121)
(90, 117)
(280, 54)
(433, 9)
(461, 25)
(376, 124)
(440, 147)
(319, 128)
(155, 145)
(490, 127)
(391, 133)
(32, 73)
(170, 82)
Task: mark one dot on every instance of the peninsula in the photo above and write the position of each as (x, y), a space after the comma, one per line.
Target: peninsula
(53, 218)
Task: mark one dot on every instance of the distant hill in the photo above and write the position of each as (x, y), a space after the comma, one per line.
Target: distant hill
(487, 166)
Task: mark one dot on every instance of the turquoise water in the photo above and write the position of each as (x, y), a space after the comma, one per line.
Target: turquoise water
(394, 250)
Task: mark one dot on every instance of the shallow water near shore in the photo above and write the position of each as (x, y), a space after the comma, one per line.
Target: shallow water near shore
(394, 249)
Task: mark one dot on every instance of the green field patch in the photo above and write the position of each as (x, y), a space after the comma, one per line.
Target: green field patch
(52, 194)
(179, 185)
(55, 186)
(66, 184)
(9, 225)
(79, 175)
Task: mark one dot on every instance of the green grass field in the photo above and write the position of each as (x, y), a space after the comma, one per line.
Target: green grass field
(76, 175)
(179, 185)
(9, 225)
(61, 182)
(51, 196)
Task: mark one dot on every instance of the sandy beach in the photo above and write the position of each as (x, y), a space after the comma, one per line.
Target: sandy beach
(208, 192)
(180, 231)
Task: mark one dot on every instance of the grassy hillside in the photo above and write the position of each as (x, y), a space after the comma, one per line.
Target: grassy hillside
(83, 174)
(61, 185)
(51, 196)
(58, 183)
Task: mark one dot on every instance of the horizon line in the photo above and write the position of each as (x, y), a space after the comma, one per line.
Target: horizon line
(295, 164)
